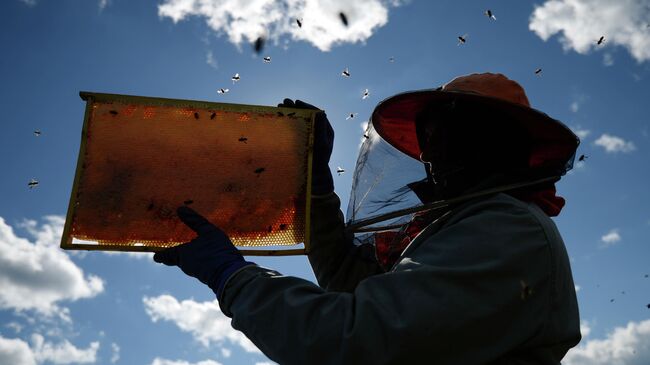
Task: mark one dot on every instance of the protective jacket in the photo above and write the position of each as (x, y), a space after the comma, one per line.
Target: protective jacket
(489, 282)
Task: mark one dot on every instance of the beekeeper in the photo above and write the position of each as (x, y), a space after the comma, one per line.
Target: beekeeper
(485, 280)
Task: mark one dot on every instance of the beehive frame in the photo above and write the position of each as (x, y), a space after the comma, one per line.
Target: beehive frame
(113, 107)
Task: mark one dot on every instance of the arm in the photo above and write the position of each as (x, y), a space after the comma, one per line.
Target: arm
(456, 299)
(338, 264)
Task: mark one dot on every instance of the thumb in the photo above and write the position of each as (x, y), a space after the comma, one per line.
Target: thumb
(195, 221)
(169, 256)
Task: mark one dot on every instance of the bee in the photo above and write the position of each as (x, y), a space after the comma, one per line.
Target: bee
(267, 59)
(150, 206)
(526, 290)
(340, 170)
(538, 72)
(345, 73)
(269, 229)
(366, 93)
(489, 14)
(213, 115)
(600, 40)
(280, 114)
(366, 136)
(258, 46)
(291, 114)
(222, 91)
(260, 170)
(32, 183)
(243, 139)
(283, 226)
(583, 157)
(462, 39)
(235, 78)
(391, 59)
(344, 19)
(299, 22)
(351, 116)
(37, 132)
(196, 115)
(113, 112)
(611, 300)
(188, 202)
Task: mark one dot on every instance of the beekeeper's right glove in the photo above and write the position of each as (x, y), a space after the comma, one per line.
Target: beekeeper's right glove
(322, 182)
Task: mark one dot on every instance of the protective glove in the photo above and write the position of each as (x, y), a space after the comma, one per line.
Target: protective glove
(210, 257)
(322, 182)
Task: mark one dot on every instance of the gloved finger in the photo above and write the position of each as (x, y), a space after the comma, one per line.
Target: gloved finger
(195, 221)
(169, 256)
(287, 103)
(301, 104)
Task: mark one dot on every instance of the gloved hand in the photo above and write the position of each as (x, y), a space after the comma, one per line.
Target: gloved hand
(210, 257)
(322, 182)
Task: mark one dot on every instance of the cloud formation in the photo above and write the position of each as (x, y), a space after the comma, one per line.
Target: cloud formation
(581, 23)
(611, 238)
(628, 345)
(18, 352)
(613, 144)
(243, 21)
(160, 361)
(204, 321)
(38, 275)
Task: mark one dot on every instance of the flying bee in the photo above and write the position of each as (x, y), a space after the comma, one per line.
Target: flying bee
(291, 114)
(235, 78)
(37, 132)
(351, 116)
(344, 18)
(213, 115)
(299, 22)
(258, 46)
(600, 40)
(583, 157)
(243, 139)
(188, 202)
(462, 39)
(345, 73)
(113, 112)
(259, 171)
(366, 93)
(366, 136)
(391, 59)
(222, 91)
(283, 226)
(32, 183)
(196, 115)
(280, 114)
(538, 72)
(340, 170)
(489, 14)
(267, 59)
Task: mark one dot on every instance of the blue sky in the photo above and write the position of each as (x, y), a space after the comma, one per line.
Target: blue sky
(70, 307)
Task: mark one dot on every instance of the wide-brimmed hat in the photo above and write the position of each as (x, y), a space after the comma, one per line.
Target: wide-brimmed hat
(553, 145)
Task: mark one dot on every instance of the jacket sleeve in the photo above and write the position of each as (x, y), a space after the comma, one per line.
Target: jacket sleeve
(338, 264)
(489, 297)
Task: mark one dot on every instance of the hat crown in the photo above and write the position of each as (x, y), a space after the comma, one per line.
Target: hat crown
(489, 84)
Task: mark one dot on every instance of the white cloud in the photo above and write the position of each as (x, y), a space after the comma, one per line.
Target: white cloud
(15, 351)
(577, 288)
(38, 275)
(226, 352)
(29, 2)
(115, 356)
(103, 4)
(64, 352)
(608, 59)
(17, 327)
(159, 361)
(613, 144)
(625, 345)
(264, 363)
(582, 22)
(204, 321)
(245, 20)
(585, 328)
(574, 106)
(611, 238)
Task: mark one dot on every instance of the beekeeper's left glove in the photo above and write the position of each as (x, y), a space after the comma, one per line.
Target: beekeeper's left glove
(210, 257)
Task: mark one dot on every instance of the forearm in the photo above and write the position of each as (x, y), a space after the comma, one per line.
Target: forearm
(338, 264)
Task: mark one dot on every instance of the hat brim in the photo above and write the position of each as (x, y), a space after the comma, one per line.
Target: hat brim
(553, 143)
